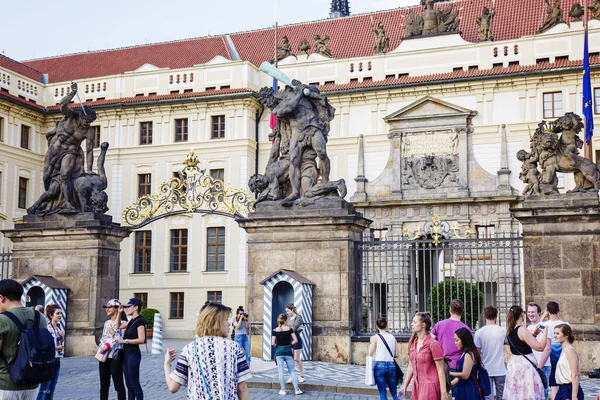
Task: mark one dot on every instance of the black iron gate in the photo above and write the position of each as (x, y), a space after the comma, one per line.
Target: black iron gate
(426, 270)
(5, 264)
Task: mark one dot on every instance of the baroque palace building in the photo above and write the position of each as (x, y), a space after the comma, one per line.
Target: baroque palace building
(156, 102)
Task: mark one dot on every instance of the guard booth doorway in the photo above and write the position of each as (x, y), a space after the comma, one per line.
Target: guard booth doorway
(280, 289)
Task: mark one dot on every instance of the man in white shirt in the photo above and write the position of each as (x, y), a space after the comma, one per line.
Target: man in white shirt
(552, 311)
(490, 343)
(542, 357)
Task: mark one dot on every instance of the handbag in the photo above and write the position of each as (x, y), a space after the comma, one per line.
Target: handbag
(539, 371)
(369, 375)
(446, 366)
(399, 373)
(101, 357)
(118, 355)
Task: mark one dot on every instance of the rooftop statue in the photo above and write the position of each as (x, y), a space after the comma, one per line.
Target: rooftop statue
(284, 49)
(484, 24)
(554, 153)
(304, 46)
(322, 46)
(303, 118)
(64, 163)
(576, 12)
(382, 41)
(432, 21)
(554, 16)
(595, 9)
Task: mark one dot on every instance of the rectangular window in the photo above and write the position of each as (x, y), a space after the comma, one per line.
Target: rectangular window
(596, 106)
(25, 136)
(1, 129)
(218, 127)
(181, 130)
(485, 231)
(176, 305)
(597, 156)
(143, 250)
(143, 297)
(552, 104)
(215, 297)
(96, 130)
(215, 249)
(218, 173)
(23, 183)
(145, 132)
(179, 244)
(144, 184)
(378, 234)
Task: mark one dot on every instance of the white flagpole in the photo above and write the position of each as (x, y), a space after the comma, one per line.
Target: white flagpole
(276, 26)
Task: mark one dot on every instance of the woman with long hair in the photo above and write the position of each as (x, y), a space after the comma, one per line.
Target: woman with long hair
(381, 348)
(283, 339)
(567, 373)
(112, 367)
(522, 378)
(135, 334)
(212, 366)
(426, 364)
(468, 366)
(54, 315)
(296, 322)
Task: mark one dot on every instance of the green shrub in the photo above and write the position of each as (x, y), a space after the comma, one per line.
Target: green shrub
(148, 314)
(438, 302)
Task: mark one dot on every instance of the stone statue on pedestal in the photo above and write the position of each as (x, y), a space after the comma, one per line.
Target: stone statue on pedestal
(382, 41)
(322, 46)
(284, 49)
(554, 16)
(556, 153)
(303, 117)
(432, 21)
(576, 12)
(69, 187)
(484, 24)
(595, 9)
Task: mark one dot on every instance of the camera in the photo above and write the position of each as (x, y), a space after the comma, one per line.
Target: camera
(245, 315)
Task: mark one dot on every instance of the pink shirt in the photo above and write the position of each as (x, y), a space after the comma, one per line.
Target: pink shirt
(444, 332)
(426, 384)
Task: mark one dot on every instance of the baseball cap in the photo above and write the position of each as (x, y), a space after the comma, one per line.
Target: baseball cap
(134, 301)
(112, 303)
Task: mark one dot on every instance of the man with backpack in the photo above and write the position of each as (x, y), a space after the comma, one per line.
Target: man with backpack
(11, 342)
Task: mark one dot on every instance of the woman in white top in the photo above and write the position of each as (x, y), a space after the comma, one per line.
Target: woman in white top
(384, 368)
(567, 368)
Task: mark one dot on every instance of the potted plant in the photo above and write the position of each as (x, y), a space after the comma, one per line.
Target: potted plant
(148, 314)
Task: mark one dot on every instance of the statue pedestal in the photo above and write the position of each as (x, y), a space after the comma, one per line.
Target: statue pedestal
(561, 238)
(316, 241)
(80, 250)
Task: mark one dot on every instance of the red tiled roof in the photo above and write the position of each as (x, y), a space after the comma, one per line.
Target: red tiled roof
(17, 99)
(352, 36)
(19, 68)
(142, 99)
(471, 73)
(179, 54)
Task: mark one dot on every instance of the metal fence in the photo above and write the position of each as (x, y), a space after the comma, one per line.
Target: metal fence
(397, 278)
(5, 264)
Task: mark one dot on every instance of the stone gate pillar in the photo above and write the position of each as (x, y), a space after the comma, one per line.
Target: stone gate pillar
(317, 241)
(80, 250)
(561, 239)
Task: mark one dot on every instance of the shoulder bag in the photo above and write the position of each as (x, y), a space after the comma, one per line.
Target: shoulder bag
(399, 373)
(539, 371)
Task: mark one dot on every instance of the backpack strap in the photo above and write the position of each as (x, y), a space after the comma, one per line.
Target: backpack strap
(16, 320)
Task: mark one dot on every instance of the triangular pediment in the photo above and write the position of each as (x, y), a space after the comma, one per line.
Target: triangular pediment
(429, 107)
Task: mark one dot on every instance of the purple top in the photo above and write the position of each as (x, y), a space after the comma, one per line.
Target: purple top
(444, 332)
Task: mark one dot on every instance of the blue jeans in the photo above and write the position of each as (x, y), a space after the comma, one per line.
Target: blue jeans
(244, 343)
(289, 364)
(47, 388)
(131, 368)
(546, 369)
(385, 374)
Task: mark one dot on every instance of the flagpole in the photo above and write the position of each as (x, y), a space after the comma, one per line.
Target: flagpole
(276, 26)
(587, 150)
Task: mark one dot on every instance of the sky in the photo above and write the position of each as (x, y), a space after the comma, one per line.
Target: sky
(41, 28)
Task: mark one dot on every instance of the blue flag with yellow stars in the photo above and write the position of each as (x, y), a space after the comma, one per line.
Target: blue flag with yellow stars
(588, 112)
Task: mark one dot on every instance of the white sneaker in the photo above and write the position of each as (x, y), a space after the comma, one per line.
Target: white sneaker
(298, 391)
(301, 379)
(289, 380)
(282, 392)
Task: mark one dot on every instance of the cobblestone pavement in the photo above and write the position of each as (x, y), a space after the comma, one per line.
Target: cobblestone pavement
(79, 380)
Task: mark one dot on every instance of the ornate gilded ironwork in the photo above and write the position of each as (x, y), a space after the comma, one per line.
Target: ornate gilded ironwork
(192, 192)
(438, 230)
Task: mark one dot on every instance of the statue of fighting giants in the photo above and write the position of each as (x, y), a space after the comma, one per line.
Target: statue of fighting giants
(70, 184)
(303, 117)
(554, 153)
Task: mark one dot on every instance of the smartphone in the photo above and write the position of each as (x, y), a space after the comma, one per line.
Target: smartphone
(542, 327)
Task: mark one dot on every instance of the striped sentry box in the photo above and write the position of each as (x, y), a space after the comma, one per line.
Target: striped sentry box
(55, 292)
(303, 290)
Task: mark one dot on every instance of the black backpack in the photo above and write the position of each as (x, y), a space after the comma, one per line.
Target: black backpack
(35, 357)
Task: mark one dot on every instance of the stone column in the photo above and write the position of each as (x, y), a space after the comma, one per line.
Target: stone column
(316, 241)
(80, 250)
(561, 238)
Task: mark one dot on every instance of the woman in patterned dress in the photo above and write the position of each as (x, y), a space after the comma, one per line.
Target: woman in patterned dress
(212, 366)
(522, 379)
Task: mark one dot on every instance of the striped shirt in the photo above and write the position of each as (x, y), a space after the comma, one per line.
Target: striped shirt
(223, 363)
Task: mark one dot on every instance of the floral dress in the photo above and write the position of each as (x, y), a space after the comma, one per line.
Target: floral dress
(426, 383)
